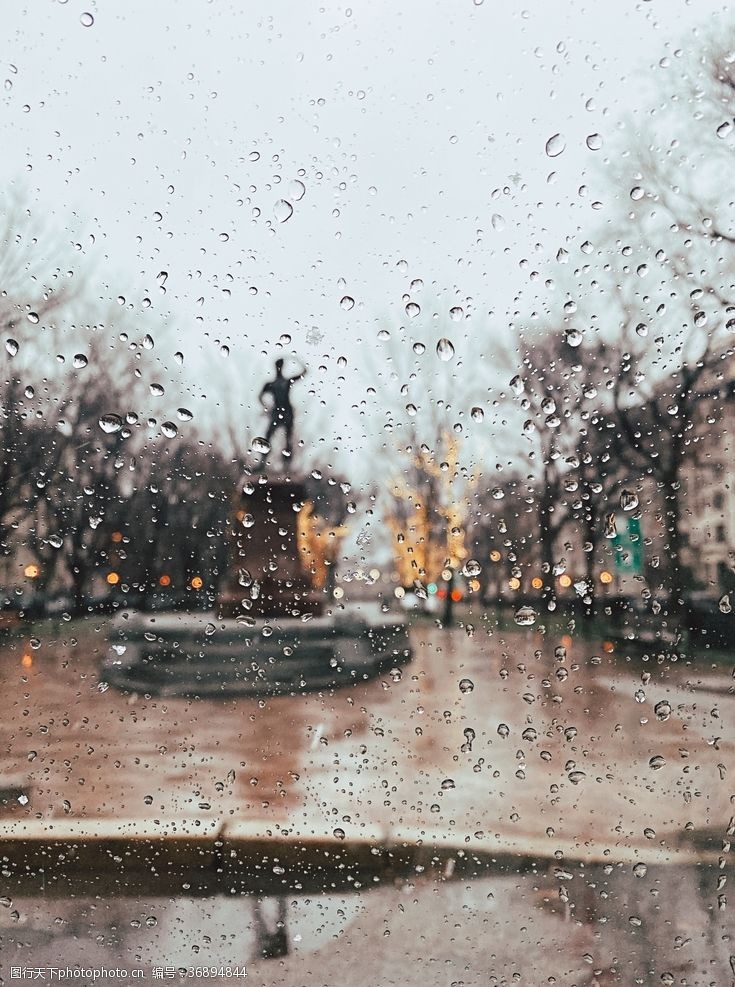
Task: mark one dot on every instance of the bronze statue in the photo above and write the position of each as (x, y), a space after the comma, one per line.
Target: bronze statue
(281, 409)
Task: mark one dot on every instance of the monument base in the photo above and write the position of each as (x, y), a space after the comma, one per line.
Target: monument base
(268, 574)
(275, 598)
(201, 655)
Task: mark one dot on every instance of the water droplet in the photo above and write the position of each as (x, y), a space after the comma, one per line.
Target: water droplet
(447, 784)
(347, 302)
(412, 310)
(724, 604)
(610, 529)
(33, 318)
(657, 762)
(517, 385)
(662, 710)
(169, 430)
(576, 777)
(573, 337)
(148, 343)
(472, 568)
(636, 193)
(445, 349)
(12, 346)
(282, 210)
(498, 223)
(184, 414)
(525, 616)
(640, 870)
(724, 131)
(477, 414)
(466, 685)
(339, 833)
(503, 730)
(86, 19)
(555, 145)
(80, 361)
(419, 348)
(628, 500)
(261, 446)
(296, 190)
(456, 312)
(111, 423)
(157, 390)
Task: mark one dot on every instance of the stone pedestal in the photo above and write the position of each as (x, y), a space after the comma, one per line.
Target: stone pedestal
(267, 575)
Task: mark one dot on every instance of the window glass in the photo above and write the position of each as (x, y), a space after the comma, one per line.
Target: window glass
(366, 416)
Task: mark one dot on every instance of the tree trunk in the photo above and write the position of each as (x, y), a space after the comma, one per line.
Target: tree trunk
(547, 537)
(678, 606)
(448, 619)
(78, 578)
(591, 536)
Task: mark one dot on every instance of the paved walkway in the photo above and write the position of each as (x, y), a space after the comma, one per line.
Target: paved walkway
(490, 738)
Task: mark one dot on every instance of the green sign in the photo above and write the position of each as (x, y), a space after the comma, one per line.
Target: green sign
(629, 549)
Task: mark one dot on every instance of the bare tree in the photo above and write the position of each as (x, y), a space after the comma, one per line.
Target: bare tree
(669, 291)
(557, 392)
(38, 292)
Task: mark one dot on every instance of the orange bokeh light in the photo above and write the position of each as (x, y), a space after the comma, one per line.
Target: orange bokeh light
(165, 580)
(113, 578)
(197, 582)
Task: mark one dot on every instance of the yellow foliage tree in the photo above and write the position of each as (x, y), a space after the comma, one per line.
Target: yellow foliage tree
(428, 513)
(318, 543)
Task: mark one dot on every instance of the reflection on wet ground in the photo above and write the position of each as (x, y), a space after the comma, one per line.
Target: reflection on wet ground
(602, 924)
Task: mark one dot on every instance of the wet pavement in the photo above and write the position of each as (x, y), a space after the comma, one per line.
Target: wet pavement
(493, 734)
(551, 749)
(552, 925)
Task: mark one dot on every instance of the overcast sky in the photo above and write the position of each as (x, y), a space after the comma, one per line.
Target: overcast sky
(172, 137)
